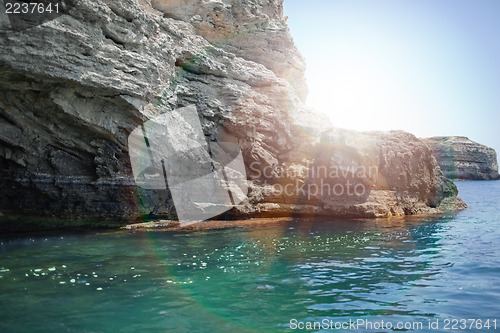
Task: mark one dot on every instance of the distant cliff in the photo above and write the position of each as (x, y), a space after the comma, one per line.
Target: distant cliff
(73, 89)
(461, 158)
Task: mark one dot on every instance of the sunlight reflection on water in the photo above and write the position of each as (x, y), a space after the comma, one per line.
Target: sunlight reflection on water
(256, 280)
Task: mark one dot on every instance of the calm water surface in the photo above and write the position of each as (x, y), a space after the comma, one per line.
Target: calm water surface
(258, 280)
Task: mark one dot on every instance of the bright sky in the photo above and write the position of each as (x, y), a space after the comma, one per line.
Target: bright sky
(429, 67)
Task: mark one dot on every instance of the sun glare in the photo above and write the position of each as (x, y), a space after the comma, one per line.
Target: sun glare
(356, 95)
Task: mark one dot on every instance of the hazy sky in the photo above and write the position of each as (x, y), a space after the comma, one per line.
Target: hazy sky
(430, 67)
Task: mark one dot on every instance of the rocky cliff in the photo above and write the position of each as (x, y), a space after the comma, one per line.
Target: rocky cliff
(74, 87)
(461, 158)
(356, 174)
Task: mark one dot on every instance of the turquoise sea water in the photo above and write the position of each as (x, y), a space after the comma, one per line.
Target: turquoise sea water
(262, 279)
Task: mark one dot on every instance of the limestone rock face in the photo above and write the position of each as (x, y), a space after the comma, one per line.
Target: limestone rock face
(73, 89)
(461, 158)
(357, 174)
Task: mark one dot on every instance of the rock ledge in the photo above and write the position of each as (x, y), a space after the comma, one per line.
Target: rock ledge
(461, 158)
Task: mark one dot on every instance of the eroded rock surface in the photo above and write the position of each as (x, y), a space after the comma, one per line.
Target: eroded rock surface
(73, 89)
(461, 158)
(357, 174)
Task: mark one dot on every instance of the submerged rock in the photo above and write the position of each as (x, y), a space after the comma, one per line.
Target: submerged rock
(73, 89)
(461, 158)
